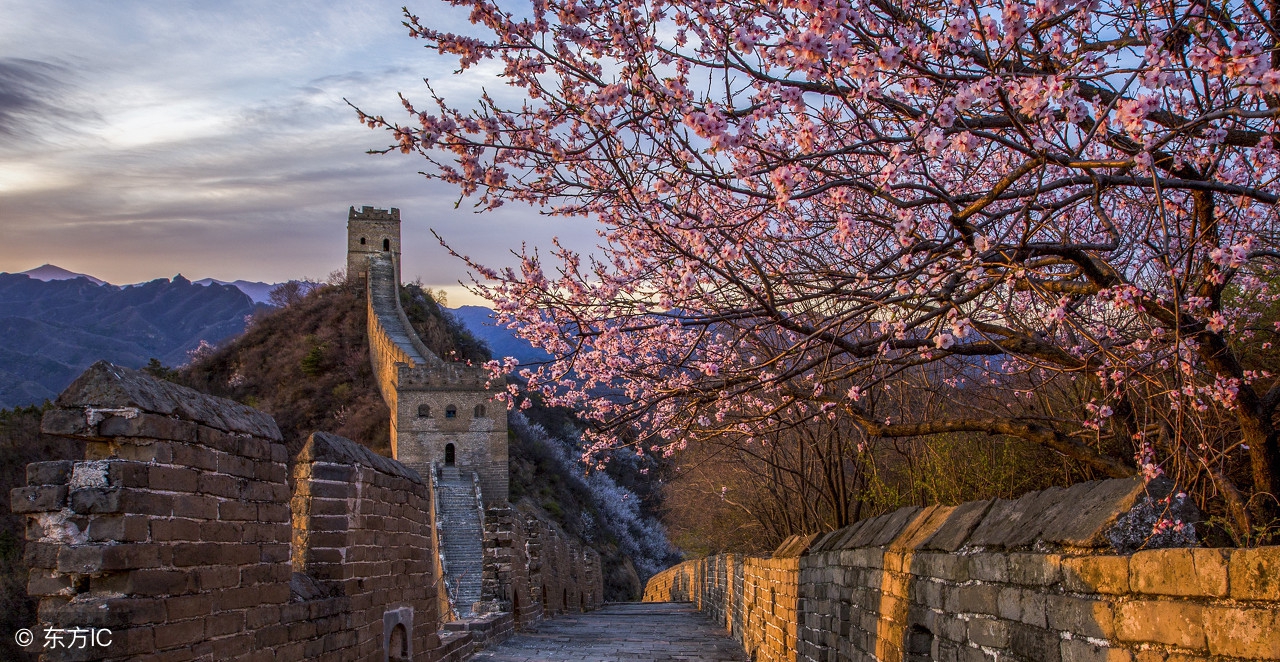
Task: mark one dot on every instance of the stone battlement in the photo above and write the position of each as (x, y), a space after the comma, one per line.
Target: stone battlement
(368, 213)
(446, 377)
(1052, 576)
(441, 412)
(186, 530)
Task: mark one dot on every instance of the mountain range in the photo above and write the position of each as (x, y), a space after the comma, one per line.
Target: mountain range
(54, 323)
(50, 330)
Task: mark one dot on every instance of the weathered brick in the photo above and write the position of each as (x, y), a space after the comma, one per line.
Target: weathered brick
(183, 633)
(96, 500)
(127, 500)
(67, 422)
(188, 606)
(273, 512)
(1172, 622)
(119, 528)
(147, 425)
(236, 466)
(211, 579)
(40, 498)
(87, 559)
(173, 479)
(1189, 572)
(195, 457)
(236, 511)
(141, 450)
(989, 567)
(170, 529)
(974, 599)
(1255, 574)
(42, 582)
(332, 472)
(950, 567)
(989, 632)
(49, 473)
(1035, 569)
(224, 624)
(126, 474)
(1077, 650)
(1096, 574)
(1089, 618)
(149, 582)
(220, 485)
(1252, 634)
(194, 506)
(41, 554)
(253, 447)
(1034, 643)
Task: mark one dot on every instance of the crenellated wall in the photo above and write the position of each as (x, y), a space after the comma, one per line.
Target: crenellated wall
(392, 342)
(180, 532)
(1049, 577)
(533, 569)
(422, 391)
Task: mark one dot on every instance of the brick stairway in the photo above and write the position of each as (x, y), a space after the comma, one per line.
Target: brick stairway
(461, 537)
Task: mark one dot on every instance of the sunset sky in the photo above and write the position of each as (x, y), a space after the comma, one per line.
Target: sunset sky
(143, 139)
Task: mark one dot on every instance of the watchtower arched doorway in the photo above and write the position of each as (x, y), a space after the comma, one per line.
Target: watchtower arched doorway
(398, 646)
(386, 244)
(448, 455)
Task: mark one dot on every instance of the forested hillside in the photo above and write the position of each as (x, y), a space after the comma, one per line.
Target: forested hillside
(307, 364)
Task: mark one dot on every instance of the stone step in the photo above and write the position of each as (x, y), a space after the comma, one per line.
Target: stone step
(461, 536)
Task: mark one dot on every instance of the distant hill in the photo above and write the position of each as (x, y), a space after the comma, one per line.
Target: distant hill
(53, 326)
(258, 291)
(502, 342)
(307, 364)
(47, 272)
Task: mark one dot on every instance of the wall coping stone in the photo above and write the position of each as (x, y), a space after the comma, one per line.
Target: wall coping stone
(327, 447)
(960, 524)
(794, 546)
(105, 390)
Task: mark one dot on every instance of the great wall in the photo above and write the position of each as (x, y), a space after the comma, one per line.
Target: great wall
(188, 532)
(1050, 577)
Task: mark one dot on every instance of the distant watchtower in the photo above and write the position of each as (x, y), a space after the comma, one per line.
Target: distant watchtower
(442, 413)
(372, 232)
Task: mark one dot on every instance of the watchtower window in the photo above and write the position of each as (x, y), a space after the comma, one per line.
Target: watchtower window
(451, 412)
(361, 241)
(386, 244)
(449, 454)
(479, 411)
(424, 411)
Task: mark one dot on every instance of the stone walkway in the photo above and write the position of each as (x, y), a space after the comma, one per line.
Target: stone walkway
(630, 632)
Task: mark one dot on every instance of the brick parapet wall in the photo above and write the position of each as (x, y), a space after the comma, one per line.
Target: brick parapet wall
(534, 569)
(180, 533)
(362, 529)
(911, 586)
(175, 532)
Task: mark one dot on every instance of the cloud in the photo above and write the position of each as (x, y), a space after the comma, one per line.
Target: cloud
(32, 96)
(214, 140)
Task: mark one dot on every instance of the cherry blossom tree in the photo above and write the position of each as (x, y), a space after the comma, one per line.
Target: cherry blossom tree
(805, 203)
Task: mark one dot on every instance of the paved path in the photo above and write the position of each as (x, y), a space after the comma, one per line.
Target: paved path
(627, 632)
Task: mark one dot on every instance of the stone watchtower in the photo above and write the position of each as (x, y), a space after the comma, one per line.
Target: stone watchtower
(372, 232)
(442, 413)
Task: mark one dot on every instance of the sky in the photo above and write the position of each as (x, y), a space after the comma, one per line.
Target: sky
(143, 139)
